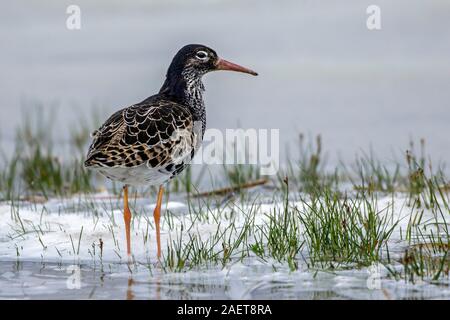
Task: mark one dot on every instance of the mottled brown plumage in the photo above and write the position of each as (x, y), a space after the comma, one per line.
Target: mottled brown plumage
(146, 133)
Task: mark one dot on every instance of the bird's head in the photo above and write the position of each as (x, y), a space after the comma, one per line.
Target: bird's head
(200, 59)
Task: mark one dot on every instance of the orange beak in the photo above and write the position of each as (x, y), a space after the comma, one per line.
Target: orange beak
(227, 65)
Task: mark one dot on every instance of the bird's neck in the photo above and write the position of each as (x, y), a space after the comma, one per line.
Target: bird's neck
(186, 87)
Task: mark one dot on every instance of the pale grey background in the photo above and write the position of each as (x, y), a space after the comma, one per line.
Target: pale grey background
(321, 70)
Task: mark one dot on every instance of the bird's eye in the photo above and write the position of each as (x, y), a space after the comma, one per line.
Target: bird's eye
(202, 55)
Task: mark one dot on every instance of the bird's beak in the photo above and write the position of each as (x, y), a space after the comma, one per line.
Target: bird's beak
(227, 65)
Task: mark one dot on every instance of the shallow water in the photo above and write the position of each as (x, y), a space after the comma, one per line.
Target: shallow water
(36, 280)
(52, 252)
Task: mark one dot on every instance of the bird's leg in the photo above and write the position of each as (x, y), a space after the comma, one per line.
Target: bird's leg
(127, 218)
(157, 216)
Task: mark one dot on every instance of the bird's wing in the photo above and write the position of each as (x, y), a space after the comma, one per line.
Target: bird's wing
(156, 133)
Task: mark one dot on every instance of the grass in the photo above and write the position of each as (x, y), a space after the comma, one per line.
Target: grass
(308, 174)
(324, 220)
(373, 176)
(345, 232)
(35, 168)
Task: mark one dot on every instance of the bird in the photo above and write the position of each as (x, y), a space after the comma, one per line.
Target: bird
(151, 142)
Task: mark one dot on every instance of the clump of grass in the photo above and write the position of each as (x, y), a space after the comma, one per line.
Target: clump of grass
(239, 174)
(427, 255)
(308, 174)
(426, 261)
(416, 178)
(311, 159)
(8, 176)
(44, 172)
(344, 231)
(227, 243)
(281, 234)
(36, 166)
(196, 251)
(373, 176)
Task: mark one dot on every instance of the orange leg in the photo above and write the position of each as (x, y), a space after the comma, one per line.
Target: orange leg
(127, 218)
(157, 216)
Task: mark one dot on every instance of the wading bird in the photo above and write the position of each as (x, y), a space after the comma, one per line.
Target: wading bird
(151, 142)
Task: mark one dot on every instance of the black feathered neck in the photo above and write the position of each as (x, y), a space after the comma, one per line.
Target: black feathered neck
(180, 82)
(185, 86)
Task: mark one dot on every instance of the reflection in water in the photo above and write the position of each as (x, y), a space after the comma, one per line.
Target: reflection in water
(130, 295)
(33, 280)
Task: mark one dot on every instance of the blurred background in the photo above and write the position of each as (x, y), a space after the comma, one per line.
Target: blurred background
(321, 70)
